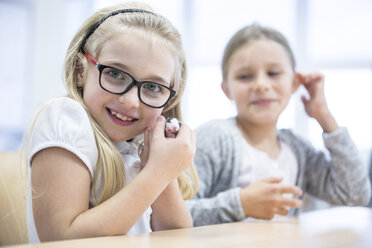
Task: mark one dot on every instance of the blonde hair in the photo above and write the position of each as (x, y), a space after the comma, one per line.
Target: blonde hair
(109, 163)
(250, 34)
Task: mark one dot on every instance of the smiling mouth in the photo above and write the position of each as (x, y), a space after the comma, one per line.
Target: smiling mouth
(263, 102)
(120, 116)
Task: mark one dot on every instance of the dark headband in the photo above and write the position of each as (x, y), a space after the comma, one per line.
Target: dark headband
(93, 28)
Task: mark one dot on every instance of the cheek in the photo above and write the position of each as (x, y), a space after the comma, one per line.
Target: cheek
(240, 91)
(150, 115)
(94, 98)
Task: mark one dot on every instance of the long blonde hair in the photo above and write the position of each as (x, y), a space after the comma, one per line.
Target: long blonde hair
(109, 163)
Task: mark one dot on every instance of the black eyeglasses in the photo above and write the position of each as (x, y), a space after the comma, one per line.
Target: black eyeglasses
(119, 82)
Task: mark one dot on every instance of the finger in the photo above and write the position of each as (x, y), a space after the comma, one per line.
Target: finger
(144, 147)
(146, 140)
(304, 99)
(169, 134)
(290, 189)
(300, 77)
(271, 179)
(184, 132)
(289, 202)
(282, 211)
(316, 77)
(158, 128)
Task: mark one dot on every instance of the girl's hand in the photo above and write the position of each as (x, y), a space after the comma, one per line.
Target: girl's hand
(263, 198)
(144, 155)
(316, 105)
(168, 156)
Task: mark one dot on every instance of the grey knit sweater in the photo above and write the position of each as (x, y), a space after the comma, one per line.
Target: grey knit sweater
(341, 180)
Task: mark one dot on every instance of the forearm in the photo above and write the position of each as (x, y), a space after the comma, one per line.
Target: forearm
(328, 123)
(118, 214)
(349, 172)
(169, 210)
(225, 207)
(344, 179)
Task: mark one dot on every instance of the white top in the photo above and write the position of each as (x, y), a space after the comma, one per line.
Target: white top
(257, 165)
(64, 123)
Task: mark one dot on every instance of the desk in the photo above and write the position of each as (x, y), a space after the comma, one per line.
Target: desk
(336, 227)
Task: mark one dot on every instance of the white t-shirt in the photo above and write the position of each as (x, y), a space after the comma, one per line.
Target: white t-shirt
(257, 165)
(64, 123)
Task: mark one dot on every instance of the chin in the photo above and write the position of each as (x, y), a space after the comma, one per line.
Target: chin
(118, 137)
(263, 120)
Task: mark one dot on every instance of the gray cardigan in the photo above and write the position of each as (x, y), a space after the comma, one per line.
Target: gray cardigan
(341, 180)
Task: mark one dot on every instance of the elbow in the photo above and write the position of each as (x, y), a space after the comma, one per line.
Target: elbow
(183, 224)
(366, 198)
(179, 224)
(360, 197)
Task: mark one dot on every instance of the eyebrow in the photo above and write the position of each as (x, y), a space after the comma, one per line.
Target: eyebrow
(273, 64)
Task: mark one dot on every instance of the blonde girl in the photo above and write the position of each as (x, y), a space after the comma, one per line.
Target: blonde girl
(125, 71)
(249, 168)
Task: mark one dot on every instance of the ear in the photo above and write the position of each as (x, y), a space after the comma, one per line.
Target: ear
(79, 70)
(226, 90)
(296, 82)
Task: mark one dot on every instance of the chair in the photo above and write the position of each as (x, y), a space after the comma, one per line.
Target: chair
(13, 224)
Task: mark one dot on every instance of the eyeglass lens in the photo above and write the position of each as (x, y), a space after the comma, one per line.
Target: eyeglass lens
(117, 81)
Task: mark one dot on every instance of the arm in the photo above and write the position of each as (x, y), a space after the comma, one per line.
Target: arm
(217, 200)
(344, 177)
(169, 210)
(62, 185)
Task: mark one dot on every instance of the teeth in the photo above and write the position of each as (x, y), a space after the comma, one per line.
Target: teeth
(121, 117)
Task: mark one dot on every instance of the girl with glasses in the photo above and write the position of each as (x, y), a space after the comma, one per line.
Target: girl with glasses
(125, 71)
(249, 168)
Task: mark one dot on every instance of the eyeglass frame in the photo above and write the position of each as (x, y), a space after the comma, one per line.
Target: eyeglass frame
(100, 67)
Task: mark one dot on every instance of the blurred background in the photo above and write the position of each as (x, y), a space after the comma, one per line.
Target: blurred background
(333, 37)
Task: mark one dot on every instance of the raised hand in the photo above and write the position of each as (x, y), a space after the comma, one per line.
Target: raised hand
(316, 105)
(168, 155)
(264, 198)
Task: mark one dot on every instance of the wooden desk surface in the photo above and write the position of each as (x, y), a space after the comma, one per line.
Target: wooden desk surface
(336, 227)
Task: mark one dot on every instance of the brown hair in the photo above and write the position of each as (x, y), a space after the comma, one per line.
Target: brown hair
(249, 34)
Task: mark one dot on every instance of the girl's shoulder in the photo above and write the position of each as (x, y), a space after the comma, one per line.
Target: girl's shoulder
(63, 122)
(62, 112)
(63, 105)
(217, 132)
(62, 117)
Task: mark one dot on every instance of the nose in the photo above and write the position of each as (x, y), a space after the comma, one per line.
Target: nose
(130, 99)
(261, 83)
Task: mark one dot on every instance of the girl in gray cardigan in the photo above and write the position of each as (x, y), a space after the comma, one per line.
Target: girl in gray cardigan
(249, 168)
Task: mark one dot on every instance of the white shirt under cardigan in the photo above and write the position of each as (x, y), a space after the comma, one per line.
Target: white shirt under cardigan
(258, 165)
(64, 123)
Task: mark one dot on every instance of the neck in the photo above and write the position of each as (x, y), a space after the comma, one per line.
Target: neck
(261, 137)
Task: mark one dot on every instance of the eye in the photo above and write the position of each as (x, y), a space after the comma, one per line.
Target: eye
(152, 87)
(273, 73)
(245, 77)
(114, 73)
